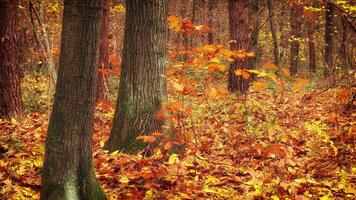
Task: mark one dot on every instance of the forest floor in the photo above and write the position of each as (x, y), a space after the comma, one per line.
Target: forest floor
(271, 144)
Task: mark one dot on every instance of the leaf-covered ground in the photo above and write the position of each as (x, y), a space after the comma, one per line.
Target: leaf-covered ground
(271, 144)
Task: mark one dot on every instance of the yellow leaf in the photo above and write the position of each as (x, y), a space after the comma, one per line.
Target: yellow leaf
(173, 159)
(212, 93)
(238, 72)
(215, 60)
(124, 180)
(211, 180)
(259, 85)
(250, 54)
(274, 197)
(13, 121)
(178, 87)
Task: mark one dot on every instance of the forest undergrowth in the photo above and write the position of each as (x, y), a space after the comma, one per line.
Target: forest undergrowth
(267, 144)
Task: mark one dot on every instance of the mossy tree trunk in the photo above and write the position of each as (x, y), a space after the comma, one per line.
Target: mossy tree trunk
(10, 71)
(242, 23)
(142, 84)
(68, 172)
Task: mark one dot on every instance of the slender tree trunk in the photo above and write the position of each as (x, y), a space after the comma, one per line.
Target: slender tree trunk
(197, 18)
(10, 72)
(311, 44)
(254, 61)
(102, 89)
(329, 42)
(185, 38)
(142, 84)
(284, 34)
(273, 31)
(68, 172)
(296, 26)
(343, 48)
(211, 4)
(242, 21)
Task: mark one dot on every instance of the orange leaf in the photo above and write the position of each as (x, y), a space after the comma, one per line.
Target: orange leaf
(299, 84)
(245, 74)
(104, 71)
(168, 145)
(269, 65)
(147, 138)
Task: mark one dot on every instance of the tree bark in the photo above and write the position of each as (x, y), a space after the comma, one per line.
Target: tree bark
(311, 44)
(142, 84)
(329, 42)
(211, 4)
(10, 71)
(296, 28)
(241, 21)
(68, 172)
(273, 31)
(343, 49)
(254, 61)
(102, 89)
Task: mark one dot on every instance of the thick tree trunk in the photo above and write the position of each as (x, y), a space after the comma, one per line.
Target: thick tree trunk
(102, 89)
(242, 21)
(296, 28)
(10, 71)
(311, 44)
(68, 172)
(142, 84)
(329, 42)
(273, 31)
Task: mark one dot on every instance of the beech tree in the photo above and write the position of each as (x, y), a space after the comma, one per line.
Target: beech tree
(242, 23)
(68, 172)
(142, 83)
(10, 71)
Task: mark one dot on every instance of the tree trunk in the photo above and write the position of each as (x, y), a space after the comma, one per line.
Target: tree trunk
(242, 21)
(254, 61)
(329, 42)
(296, 26)
(343, 49)
(283, 33)
(211, 4)
(10, 71)
(68, 172)
(273, 31)
(102, 89)
(311, 44)
(142, 84)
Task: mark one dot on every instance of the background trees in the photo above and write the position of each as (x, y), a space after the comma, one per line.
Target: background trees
(68, 171)
(142, 84)
(10, 71)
